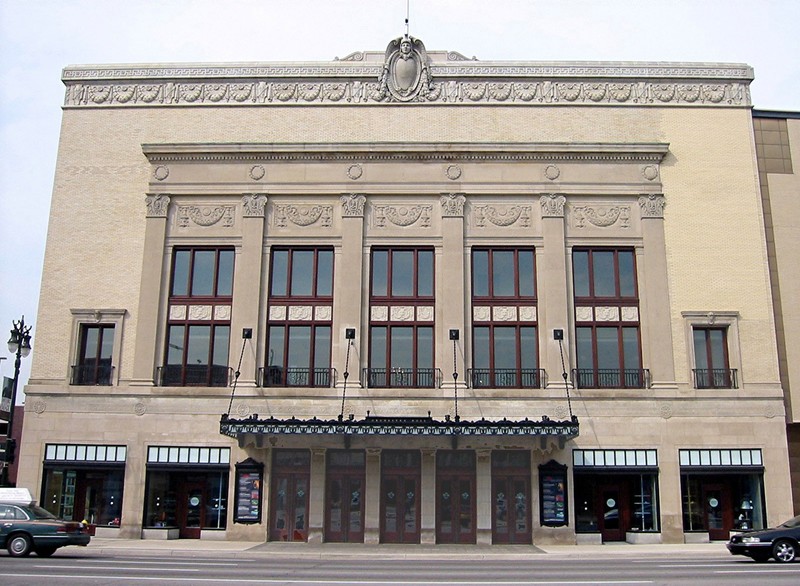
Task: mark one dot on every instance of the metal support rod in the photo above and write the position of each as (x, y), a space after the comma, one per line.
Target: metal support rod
(236, 375)
(565, 376)
(455, 378)
(346, 374)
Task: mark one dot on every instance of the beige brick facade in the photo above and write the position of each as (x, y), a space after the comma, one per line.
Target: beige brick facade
(480, 156)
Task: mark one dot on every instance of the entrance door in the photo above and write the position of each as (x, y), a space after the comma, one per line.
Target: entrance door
(291, 471)
(613, 502)
(191, 509)
(455, 497)
(511, 519)
(345, 497)
(511, 495)
(400, 481)
(289, 508)
(88, 499)
(718, 511)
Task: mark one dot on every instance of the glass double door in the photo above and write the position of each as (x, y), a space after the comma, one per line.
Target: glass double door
(455, 497)
(511, 522)
(400, 484)
(291, 473)
(344, 522)
(290, 508)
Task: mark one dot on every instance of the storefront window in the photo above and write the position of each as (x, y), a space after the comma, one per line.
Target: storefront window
(91, 495)
(614, 504)
(195, 500)
(720, 503)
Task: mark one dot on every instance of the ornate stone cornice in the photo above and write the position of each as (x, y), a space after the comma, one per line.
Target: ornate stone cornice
(445, 80)
(445, 152)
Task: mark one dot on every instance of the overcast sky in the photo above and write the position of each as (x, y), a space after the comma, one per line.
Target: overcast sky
(39, 37)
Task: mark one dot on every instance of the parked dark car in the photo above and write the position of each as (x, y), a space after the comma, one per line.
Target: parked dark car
(27, 527)
(781, 542)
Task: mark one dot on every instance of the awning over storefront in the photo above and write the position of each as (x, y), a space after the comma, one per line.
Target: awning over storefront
(405, 426)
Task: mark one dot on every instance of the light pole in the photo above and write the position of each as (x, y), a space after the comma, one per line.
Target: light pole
(19, 344)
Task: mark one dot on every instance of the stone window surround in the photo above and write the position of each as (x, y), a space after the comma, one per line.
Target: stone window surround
(81, 317)
(721, 319)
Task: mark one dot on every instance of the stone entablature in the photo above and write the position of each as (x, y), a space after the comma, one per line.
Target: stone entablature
(435, 77)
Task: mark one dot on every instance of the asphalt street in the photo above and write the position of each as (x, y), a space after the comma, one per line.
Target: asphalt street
(225, 563)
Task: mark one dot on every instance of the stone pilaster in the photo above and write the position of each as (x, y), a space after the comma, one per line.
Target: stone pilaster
(155, 270)
(372, 497)
(247, 291)
(351, 276)
(656, 332)
(483, 496)
(451, 291)
(316, 506)
(553, 288)
(427, 498)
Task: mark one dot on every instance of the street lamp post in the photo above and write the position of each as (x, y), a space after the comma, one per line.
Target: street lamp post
(19, 344)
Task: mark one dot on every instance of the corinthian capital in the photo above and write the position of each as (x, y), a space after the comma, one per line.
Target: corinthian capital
(553, 205)
(157, 205)
(453, 205)
(254, 205)
(652, 205)
(353, 205)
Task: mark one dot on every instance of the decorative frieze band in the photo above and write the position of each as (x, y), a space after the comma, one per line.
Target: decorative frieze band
(300, 312)
(601, 216)
(401, 313)
(606, 314)
(499, 313)
(205, 216)
(200, 312)
(176, 92)
(303, 215)
(402, 216)
(502, 216)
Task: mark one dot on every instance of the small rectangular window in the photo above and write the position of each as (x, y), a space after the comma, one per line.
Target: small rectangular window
(712, 369)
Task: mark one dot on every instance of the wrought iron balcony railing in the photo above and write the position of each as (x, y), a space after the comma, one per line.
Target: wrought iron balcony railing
(193, 375)
(611, 378)
(496, 378)
(277, 376)
(403, 377)
(715, 378)
(92, 374)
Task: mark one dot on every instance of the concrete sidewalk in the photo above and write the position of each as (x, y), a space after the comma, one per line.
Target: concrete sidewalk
(245, 549)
